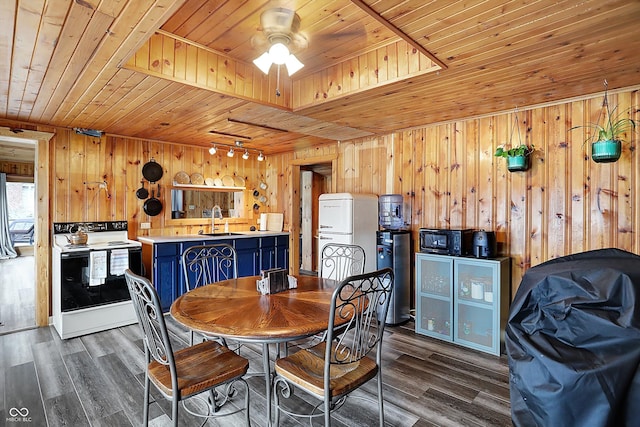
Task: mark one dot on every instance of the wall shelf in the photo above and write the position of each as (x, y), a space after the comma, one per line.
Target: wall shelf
(206, 187)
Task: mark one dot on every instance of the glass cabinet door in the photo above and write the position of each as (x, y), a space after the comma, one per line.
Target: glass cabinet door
(475, 285)
(434, 309)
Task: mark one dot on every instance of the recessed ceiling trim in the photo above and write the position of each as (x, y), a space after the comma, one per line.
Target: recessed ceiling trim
(232, 135)
(240, 122)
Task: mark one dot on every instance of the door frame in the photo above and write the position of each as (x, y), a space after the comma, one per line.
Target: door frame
(42, 244)
(294, 202)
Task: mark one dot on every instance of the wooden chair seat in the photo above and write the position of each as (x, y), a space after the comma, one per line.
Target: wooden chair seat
(199, 368)
(306, 369)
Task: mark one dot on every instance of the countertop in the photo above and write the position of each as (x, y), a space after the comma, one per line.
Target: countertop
(192, 237)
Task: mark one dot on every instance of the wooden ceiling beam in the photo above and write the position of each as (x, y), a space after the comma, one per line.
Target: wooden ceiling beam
(365, 7)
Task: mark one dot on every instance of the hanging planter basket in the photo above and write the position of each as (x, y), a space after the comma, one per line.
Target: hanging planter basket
(606, 151)
(517, 156)
(608, 132)
(518, 163)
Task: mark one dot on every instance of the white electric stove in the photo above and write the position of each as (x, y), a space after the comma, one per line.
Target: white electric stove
(89, 292)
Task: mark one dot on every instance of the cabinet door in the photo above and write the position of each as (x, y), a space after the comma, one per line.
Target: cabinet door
(248, 252)
(476, 297)
(267, 253)
(434, 299)
(282, 252)
(166, 273)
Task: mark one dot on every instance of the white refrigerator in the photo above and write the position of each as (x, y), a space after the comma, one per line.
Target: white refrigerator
(351, 219)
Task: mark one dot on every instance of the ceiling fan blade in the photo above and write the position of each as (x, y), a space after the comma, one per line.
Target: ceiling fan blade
(259, 42)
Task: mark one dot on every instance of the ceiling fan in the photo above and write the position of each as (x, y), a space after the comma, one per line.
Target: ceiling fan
(279, 37)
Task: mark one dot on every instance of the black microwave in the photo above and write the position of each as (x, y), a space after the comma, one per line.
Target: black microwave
(456, 242)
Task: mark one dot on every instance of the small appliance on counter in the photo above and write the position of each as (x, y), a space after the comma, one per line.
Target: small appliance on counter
(484, 244)
(456, 242)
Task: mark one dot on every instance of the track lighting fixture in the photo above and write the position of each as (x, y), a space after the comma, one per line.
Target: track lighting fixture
(231, 150)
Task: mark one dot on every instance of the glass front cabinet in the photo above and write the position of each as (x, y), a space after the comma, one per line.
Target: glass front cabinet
(463, 300)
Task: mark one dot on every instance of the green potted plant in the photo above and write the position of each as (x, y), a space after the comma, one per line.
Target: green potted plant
(607, 145)
(517, 157)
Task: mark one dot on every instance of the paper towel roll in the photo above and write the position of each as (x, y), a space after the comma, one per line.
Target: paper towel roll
(263, 222)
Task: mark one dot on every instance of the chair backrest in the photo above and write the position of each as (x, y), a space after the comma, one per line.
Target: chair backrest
(206, 264)
(149, 313)
(363, 301)
(340, 260)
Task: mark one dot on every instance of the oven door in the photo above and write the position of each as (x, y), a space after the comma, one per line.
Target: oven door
(76, 291)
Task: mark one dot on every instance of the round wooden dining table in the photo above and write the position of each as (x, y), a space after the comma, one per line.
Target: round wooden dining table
(234, 309)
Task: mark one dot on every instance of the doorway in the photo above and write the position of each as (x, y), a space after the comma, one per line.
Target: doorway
(17, 279)
(325, 167)
(41, 246)
(314, 181)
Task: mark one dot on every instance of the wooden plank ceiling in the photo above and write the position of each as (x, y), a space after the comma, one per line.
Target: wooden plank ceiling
(181, 70)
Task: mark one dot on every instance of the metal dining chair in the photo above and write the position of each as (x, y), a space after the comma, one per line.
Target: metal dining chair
(188, 372)
(206, 264)
(340, 260)
(340, 364)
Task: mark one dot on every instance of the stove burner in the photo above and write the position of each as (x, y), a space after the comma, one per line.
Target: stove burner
(72, 246)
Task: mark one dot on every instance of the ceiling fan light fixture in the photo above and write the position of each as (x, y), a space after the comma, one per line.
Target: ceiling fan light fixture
(263, 62)
(293, 64)
(279, 53)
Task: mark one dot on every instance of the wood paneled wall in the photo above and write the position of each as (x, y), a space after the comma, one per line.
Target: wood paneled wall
(450, 178)
(17, 168)
(82, 162)
(447, 174)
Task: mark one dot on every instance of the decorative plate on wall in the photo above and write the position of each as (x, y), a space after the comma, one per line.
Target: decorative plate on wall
(209, 182)
(181, 178)
(217, 182)
(227, 181)
(238, 181)
(197, 179)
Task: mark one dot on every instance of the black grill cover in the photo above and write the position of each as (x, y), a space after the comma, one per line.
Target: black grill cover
(573, 342)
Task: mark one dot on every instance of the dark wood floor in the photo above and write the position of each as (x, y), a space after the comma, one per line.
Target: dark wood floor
(97, 380)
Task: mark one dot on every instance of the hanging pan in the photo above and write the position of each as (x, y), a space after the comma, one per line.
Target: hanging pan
(142, 193)
(153, 206)
(152, 171)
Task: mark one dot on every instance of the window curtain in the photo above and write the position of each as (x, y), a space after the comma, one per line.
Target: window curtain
(6, 245)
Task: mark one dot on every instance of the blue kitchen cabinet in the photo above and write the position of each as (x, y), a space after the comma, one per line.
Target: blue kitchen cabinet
(254, 254)
(166, 272)
(248, 252)
(282, 252)
(267, 253)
